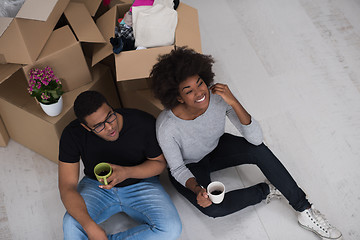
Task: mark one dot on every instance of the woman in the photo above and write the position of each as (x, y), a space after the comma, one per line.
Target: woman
(191, 133)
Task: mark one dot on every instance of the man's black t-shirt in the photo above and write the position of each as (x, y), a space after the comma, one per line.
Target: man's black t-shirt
(137, 142)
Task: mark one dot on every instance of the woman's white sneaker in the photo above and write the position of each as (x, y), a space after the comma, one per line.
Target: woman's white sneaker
(274, 192)
(311, 219)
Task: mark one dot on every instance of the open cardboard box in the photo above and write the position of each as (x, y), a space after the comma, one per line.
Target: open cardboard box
(82, 23)
(63, 51)
(23, 36)
(28, 125)
(137, 64)
(64, 55)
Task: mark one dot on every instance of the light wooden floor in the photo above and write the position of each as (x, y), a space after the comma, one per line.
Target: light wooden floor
(295, 66)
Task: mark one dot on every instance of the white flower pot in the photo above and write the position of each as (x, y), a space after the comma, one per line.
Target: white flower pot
(53, 109)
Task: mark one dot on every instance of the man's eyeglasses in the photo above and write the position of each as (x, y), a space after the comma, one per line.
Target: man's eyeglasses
(100, 126)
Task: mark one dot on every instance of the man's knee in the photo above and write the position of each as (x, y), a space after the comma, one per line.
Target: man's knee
(72, 228)
(170, 230)
(68, 221)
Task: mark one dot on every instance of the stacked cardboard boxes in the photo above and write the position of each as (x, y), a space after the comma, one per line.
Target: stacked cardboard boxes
(27, 124)
(72, 37)
(132, 68)
(28, 41)
(23, 37)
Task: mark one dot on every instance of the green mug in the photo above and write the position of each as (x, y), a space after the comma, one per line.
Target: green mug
(102, 172)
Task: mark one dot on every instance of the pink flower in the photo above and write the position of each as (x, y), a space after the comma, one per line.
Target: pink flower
(42, 83)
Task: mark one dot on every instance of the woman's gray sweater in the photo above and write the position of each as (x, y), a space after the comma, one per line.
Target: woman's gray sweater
(188, 141)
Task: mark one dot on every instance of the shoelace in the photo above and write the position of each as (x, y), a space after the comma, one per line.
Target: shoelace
(320, 218)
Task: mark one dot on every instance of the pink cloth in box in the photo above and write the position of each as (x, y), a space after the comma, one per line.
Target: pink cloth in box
(142, 3)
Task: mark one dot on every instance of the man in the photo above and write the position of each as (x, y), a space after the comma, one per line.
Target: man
(124, 138)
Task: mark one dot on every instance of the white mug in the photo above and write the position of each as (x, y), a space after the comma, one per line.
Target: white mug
(216, 192)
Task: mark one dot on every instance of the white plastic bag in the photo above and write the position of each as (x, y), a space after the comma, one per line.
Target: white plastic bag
(166, 3)
(9, 8)
(154, 26)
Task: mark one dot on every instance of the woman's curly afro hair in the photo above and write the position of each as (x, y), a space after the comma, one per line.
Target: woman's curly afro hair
(174, 68)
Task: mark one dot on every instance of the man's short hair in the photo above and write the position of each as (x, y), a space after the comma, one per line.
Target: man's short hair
(87, 103)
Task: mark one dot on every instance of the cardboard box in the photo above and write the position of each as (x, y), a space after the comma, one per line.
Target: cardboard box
(6, 70)
(23, 37)
(137, 94)
(138, 63)
(82, 23)
(63, 53)
(4, 136)
(148, 102)
(91, 5)
(85, 30)
(127, 91)
(28, 125)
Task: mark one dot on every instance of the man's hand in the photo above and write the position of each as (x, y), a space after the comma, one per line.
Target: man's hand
(151, 167)
(95, 232)
(118, 175)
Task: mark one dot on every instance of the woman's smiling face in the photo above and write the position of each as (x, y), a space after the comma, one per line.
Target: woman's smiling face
(194, 93)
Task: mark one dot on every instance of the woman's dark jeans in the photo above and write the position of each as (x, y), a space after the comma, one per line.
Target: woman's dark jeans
(232, 151)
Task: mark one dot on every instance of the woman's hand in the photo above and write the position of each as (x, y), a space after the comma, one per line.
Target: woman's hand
(200, 192)
(203, 199)
(224, 91)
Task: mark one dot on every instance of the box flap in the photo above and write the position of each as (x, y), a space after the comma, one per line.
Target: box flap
(64, 54)
(6, 70)
(4, 24)
(36, 9)
(188, 30)
(106, 24)
(82, 23)
(59, 39)
(128, 65)
(118, 2)
(24, 39)
(91, 5)
(14, 89)
(8, 51)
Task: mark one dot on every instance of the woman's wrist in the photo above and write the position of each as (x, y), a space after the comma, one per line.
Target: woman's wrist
(193, 185)
(198, 189)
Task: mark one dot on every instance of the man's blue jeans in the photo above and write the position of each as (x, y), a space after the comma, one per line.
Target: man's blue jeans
(146, 202)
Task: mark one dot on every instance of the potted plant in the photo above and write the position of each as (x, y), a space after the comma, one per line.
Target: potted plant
(47, 89)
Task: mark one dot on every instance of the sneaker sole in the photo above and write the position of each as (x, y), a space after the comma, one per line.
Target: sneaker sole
(322, 237)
